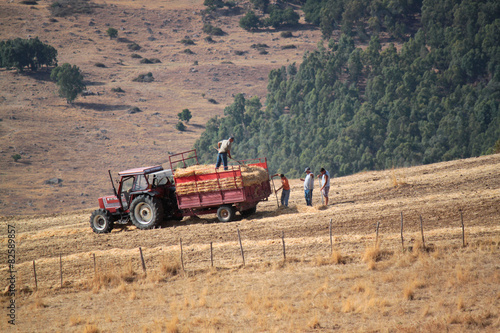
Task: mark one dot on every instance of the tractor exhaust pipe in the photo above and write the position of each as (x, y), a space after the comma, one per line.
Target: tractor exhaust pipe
(113, 184)
(114, 190)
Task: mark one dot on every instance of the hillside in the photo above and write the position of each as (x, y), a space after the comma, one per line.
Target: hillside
(359, 287)
(78, 144)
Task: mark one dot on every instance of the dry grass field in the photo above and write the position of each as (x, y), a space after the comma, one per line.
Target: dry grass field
(353, 284)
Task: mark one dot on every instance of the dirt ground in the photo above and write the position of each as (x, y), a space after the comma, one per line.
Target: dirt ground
(351, 285)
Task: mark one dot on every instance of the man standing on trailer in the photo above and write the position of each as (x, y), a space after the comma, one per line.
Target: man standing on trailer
(224, 149)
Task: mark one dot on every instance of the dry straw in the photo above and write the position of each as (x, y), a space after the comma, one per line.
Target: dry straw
(250, 175)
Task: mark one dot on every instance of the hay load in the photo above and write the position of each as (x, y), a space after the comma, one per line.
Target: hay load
(250, 175)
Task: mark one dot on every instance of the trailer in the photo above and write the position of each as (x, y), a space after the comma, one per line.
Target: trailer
(221, 199)
(147, 196)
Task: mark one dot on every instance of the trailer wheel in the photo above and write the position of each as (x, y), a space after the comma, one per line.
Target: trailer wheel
(100, 221)
(249, 211)
(146, 212)
(226, 213)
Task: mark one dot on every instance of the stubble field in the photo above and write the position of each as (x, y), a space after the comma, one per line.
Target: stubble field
(355, 285)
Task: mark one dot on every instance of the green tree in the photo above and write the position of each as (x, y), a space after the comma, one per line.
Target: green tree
(213, 4)
(250, 21)
(185, 115)
(70, 81)
(263, 5)
(112, 33)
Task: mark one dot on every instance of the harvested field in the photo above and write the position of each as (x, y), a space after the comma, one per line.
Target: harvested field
(356, 285)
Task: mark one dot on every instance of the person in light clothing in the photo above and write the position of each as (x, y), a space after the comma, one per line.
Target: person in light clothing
(224, 151)
(325, 183)
(308, 186)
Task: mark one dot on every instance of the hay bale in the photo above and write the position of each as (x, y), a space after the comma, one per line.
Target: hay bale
(253, 175)
(250, 175)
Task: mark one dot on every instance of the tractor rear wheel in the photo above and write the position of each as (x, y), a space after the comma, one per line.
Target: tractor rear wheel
(226, 213)
(146, 212)
(100, 221)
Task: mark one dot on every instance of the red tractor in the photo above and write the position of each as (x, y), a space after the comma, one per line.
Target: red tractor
(147, 198)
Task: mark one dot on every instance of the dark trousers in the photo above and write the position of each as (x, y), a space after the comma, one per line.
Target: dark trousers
(221, 159)
(308, 194)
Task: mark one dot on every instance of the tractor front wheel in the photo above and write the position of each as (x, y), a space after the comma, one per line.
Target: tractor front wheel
(226, 213)
(100, 221)
(146, 212)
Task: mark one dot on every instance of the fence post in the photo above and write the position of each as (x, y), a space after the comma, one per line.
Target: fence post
(422, 232)
(60, 268)
(283, 241)
(142, 261)
(34, 272)
(402, 239)
(95, 269)
(376, 237)
(211, 255)
(463, 228)
(182, 258)
(241, 247)
(331, 240)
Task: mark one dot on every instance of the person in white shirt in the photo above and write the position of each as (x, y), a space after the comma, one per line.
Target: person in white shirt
(224, 151)
(308, 186)
(325, 183)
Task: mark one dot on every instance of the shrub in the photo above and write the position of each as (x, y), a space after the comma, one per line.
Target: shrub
(136, 56)
(16, 157)
(239, 52)
(99, 64)
(148, 77)
(186, 41)
(112, 33)
(188, 51)
(133, 110)
(180, 126)
(134, 46)
(209, 39)
(286, 34)
(211, 30)
(63, 8)
(27, 2)
(117, 90)
(286, 47)
(213, 101)
(259, 46)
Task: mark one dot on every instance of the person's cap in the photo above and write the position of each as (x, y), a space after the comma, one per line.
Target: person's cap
(231, 137)
(307, 169)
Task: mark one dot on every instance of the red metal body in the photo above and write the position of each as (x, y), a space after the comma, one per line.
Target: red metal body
(241, 197)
